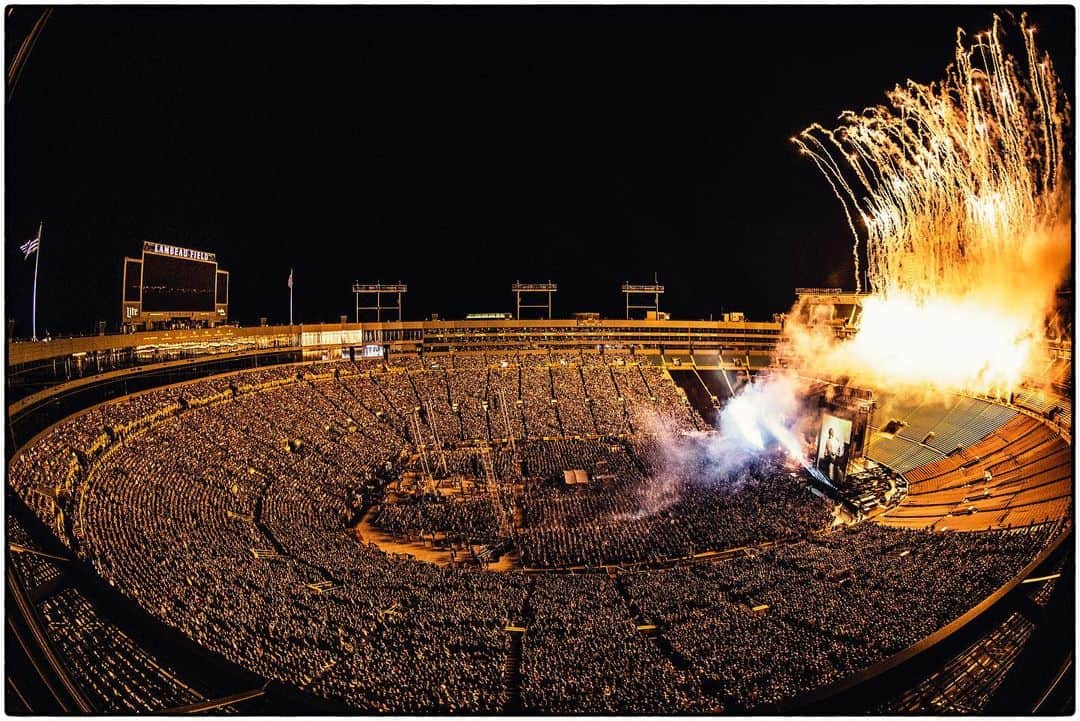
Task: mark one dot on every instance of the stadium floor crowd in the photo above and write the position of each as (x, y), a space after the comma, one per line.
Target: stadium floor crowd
(223, 508)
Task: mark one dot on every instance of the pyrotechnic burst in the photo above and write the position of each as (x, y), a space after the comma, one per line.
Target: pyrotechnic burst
(959, 195)
(959, 191)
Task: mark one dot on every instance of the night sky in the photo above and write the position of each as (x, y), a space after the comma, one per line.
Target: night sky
(456, 149)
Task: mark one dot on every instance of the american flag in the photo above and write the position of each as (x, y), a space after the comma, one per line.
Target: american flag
(30, 247)
(290, 277)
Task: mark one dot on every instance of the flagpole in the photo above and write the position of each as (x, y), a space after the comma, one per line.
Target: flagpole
(33, 303)
(290, 296)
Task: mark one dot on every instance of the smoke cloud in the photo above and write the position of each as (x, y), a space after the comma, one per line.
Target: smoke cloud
(769, 416)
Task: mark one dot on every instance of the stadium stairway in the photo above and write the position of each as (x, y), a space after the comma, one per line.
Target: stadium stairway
(512, 673)
(696, 392)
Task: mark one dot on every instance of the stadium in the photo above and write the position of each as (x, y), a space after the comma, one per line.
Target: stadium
(325, 526)
(526, 513)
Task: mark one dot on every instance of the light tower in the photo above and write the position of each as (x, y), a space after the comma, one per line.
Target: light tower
(642, 289)
(533, 289)
(379, 290)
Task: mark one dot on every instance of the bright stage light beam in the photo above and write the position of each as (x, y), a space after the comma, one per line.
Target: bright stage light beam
(754, 416)
(743, 413)
(794, 449)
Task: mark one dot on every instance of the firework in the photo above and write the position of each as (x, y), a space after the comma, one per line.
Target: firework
(959, 195)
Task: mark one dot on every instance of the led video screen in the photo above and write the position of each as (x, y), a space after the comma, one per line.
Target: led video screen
(834, 445)
(177, 284)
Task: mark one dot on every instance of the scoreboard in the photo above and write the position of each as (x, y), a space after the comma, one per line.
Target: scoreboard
(169, 286)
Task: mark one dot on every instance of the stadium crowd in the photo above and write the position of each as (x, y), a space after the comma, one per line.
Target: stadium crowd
(461, 520)
(223, 506)
(767, 626)
(629, 512)
(582, 652)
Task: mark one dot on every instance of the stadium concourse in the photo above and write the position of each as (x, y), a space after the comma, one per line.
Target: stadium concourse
(225, 511)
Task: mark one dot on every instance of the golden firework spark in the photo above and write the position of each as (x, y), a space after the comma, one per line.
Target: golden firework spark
(959, 191)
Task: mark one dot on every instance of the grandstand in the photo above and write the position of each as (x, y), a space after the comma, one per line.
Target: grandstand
(1018, 475)
(968, 682)
(276, 521)
(930, 430)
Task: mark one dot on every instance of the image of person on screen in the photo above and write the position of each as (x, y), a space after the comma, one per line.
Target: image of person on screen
(831, 457)
(832, 451)
(834, 440)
